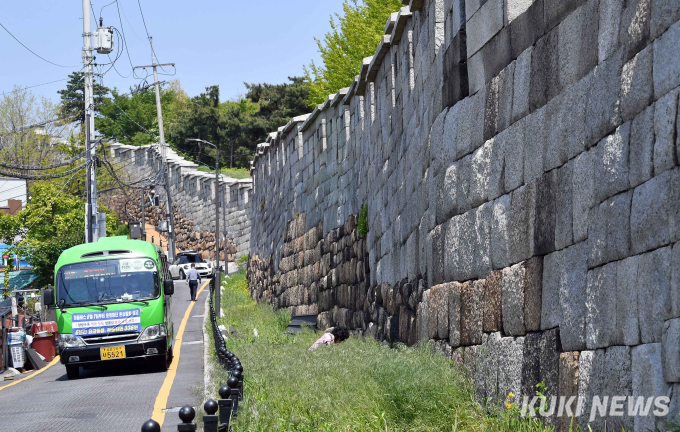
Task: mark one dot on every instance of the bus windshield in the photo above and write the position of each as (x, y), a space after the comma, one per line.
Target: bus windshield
(108, 281)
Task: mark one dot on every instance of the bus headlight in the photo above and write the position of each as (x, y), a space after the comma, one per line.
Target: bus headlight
(69, 341)
(153, 332)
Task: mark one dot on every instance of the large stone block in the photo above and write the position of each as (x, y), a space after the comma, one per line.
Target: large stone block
(454, 313)
(437, 144)
(459, 247)
(484, 24)
(513, 300)
(500, 232)
(584, 194)
(533, 289)
(609, 232)
(568, 383)
(605, 373)
(522, 216)
(634, 26)
(526, 29)
(650, 214)
(564, 206)
(546, 209)
(611, 164)
(447, 204)
(481, 262)
(666, 69)
(510, 360)
(455, 73)
(513, 139)
(480, 175)
(556, 10)
(534, 145)
(601, 305)
(565, 140)
(671, 350)
(665, 113)
(654, 278)
(471, 294)
(648, 381)
(435, 269)
(675, 282)
(664, 14)
(564, 294)
(578, 41)
(641, 165)
(603, 113)
(493, 289)
(627, 331)
(544, 70)
(443, 307)
(637, 84)
(422, 317)
(522, 84)
(531, 364)
(435, 302)
(610, 20)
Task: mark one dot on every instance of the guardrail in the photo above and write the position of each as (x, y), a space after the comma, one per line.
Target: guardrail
(218, 414)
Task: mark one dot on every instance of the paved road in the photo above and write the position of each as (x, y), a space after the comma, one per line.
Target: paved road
(119, 397)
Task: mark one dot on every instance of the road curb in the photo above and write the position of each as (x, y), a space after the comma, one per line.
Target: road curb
(207, 366)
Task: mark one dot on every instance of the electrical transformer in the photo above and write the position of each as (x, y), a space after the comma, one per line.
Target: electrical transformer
(103, 40)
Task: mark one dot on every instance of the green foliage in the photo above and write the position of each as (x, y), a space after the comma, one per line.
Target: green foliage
(354, 35)
(242, 260)
(362, 223)
(52, 222)
(235, 126)
(122, 115)
(73, 98)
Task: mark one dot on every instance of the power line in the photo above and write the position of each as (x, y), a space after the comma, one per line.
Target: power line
(33, 52)
(33, 86)
(41, 177)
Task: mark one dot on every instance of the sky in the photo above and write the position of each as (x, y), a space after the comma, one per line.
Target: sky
(211, 42)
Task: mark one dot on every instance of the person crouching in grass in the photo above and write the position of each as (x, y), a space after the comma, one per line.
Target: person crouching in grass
(336, 335)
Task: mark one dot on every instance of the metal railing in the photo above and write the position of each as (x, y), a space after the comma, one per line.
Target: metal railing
(218, 414)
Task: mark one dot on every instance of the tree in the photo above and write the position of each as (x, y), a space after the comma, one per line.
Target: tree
(72, 106)
(353, 36)
(51, 223)
(123, 114)
(28, 131)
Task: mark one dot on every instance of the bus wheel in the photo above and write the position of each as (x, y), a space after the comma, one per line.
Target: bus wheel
(72, 372)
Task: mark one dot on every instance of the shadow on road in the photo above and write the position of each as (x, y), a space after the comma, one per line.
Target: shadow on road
(113, 369)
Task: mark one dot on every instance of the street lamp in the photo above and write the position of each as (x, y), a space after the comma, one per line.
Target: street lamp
(217, 218)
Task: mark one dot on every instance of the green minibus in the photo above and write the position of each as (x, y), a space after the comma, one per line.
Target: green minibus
(112, 301)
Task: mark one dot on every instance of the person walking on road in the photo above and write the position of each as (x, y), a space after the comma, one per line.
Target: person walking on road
(193, 277)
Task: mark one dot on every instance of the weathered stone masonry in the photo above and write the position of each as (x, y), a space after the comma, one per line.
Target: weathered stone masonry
(519, 163)
(194, 197)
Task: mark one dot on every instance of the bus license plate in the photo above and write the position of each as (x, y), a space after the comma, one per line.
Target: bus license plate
(112, 352)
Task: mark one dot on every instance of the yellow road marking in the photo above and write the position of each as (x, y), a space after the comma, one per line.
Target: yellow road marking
(53, 362)
(164, 392)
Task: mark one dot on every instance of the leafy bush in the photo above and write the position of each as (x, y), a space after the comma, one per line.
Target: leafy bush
(362, 223)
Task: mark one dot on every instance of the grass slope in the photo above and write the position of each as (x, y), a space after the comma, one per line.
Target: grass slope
(358, 385)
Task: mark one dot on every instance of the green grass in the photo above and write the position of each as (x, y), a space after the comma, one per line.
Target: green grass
(358, 385)
(237, 173)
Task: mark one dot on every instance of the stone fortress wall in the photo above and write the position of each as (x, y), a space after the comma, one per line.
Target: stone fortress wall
(193, 194)
(518, 160)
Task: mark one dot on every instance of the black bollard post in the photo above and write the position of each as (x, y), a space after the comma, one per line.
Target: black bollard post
(210, 420)
(187, 414)
(225, 406)
(239, 376)
(233, 385)
(151, 426)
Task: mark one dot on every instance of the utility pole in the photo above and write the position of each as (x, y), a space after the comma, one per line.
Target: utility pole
(164, 160)
(217, 221)
(91, 222)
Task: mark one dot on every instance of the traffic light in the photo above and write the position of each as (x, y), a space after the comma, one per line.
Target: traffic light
(20, 300)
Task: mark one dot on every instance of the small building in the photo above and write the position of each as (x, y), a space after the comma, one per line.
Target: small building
(13, 194)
